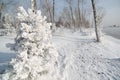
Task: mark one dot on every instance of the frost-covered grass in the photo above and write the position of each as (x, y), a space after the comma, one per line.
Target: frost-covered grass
(80, 56)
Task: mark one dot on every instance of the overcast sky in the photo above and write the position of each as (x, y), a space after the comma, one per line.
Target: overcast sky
(111, 8)
(112, 12)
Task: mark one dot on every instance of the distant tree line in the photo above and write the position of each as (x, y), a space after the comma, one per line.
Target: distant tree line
(76, 14)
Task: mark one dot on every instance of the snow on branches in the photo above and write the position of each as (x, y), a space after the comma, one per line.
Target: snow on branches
(36, 57)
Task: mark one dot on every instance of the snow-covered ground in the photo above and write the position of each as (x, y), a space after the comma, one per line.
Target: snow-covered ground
(80, 56)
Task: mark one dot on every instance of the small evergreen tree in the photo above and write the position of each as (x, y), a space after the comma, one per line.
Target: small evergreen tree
(36, 58)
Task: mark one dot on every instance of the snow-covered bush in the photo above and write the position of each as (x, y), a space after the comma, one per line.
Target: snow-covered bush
(7, 26)
(36, 57)
(3, 32)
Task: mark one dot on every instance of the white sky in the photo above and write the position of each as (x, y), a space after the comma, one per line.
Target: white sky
(112, 12)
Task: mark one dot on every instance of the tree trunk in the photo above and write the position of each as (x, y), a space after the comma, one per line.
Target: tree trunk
(1, 9)
(82, 12)
(48, 7)
(73, 21)
(79, 24)
(95, 20)
(53, 11)
(0, 15)
(34, 5)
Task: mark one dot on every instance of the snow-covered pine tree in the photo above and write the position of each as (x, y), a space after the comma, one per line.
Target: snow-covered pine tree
(36, 58)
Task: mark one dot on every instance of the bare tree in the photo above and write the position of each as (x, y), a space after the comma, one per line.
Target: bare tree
(4, 6)
(77, 19)
(71, 10)
(95, 20)
(53, 11)
(100, 15)
(79, 15)
(49, 10)
(1, 7)
(53, 27)
(66, 18)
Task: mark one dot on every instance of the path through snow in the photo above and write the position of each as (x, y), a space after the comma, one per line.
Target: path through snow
(81, 58)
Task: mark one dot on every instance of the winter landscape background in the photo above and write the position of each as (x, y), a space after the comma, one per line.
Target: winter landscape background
(73, 52)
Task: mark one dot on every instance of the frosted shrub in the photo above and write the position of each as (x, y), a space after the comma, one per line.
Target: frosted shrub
(36, 57)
